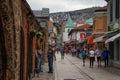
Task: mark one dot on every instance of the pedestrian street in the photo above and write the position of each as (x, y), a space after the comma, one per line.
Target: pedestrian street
(71, 68)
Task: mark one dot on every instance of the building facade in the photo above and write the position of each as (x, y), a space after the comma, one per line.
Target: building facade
(68, 27)
(42, 17)
(100, 26)
(113, 23)
(17, 43)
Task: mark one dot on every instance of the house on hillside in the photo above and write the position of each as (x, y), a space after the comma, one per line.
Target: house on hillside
(68, 26)
(113, 23)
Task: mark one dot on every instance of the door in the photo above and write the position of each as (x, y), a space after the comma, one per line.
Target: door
(22, 55)
(3, 55)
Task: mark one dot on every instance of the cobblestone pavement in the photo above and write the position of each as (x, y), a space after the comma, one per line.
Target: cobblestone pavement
(44, 75)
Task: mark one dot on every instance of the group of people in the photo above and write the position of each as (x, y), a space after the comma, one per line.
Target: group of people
(98, 53)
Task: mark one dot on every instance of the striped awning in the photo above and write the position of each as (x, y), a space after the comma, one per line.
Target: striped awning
(98, 39)
(113, 38)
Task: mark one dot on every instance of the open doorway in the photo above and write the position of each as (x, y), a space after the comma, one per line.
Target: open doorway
(3, 55)
(22, 55)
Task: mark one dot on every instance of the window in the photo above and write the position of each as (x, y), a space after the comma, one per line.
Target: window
(48, 34)
(111, 12)
(68, 30)
(117, 9)
(118, 49)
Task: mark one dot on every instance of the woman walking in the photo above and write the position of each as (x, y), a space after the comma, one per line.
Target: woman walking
(92, 53)
(98, 52)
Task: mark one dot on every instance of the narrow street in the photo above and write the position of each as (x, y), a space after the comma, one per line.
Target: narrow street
(33, 31)
(71, 69)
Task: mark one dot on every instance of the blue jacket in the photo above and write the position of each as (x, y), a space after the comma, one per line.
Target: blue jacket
(105, 53)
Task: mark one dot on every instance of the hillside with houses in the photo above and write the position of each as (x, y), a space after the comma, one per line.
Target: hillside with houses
(78, 16)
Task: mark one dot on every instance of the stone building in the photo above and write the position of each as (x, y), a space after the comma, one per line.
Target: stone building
(42, 17)
(18, 28)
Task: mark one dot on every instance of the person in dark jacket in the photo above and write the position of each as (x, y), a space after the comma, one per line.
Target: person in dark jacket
(51, 55)
(84, 55)
(106, 54)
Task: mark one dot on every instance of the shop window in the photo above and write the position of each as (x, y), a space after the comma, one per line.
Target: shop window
(118, 50)
(111, 12)
(111, 49)
(48, 34)
(117, 9)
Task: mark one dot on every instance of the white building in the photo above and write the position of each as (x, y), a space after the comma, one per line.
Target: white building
(68, 26)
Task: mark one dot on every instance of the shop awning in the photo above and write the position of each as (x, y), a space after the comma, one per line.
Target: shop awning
(112, 38)
(98, 39)
(90, 40)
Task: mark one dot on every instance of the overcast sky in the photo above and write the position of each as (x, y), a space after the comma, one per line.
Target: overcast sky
(64, 5)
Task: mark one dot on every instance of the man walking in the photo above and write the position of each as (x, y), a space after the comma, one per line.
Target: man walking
(62, 52)
(51, 55)
(106, 56)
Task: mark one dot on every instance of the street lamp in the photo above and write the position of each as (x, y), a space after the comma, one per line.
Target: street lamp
(43, 24)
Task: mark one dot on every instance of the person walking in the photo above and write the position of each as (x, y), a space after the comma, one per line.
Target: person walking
(66, 50)
(91, 53)
(98, 53)
(62, 52)
(73, 50)
(39, 53)
(51, 55)
(80, 53)
(58, 50)
(84, 55)
(106, 54)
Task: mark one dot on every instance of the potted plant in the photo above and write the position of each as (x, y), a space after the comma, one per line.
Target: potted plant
(38, 34)
(33, 32)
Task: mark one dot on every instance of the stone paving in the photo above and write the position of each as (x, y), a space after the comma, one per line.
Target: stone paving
(44, 75)
(66, 70)
(69, 71)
